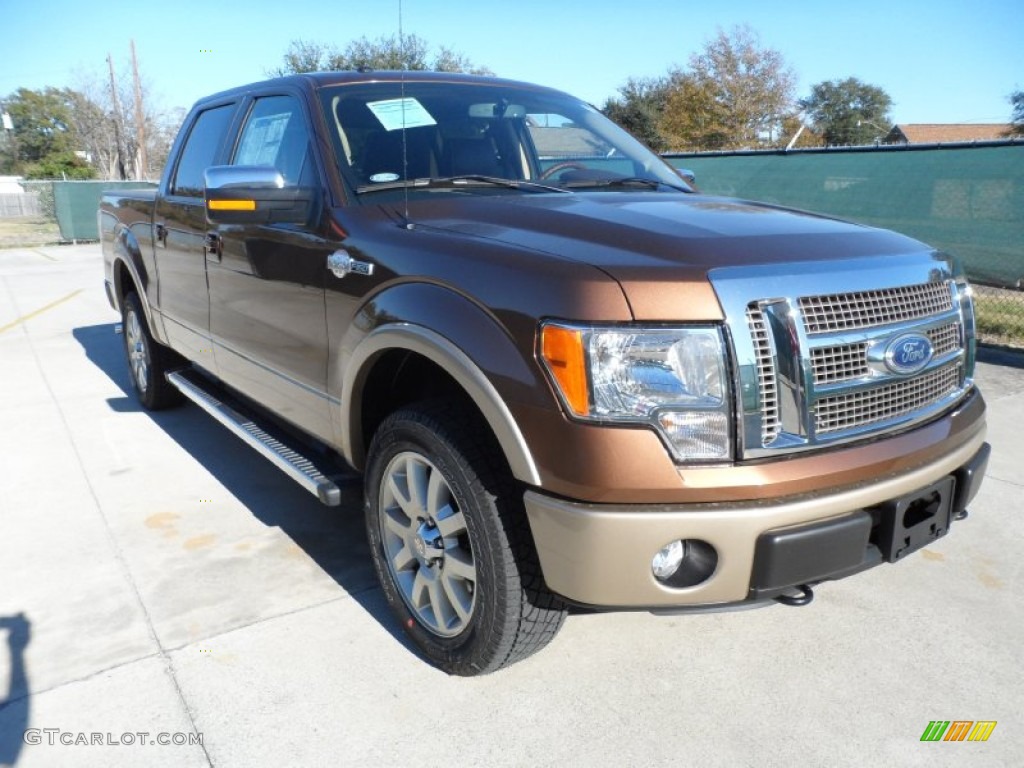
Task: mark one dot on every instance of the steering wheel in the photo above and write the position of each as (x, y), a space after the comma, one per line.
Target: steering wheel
(563, 166)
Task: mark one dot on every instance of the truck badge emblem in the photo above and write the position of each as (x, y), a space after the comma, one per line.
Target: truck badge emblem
(908, 353)
(341, 264)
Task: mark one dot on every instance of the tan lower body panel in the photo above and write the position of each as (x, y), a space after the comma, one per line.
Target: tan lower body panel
(601, 555)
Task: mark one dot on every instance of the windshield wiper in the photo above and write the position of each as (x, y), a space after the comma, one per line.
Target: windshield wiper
(629, 181)
(457, 182)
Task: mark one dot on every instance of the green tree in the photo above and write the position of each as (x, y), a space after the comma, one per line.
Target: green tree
(849, 111)
(734, 93)
(60, 165)
(639, 107)
(42, 122)
(44, 139)
(385, 52)
(1017, 102)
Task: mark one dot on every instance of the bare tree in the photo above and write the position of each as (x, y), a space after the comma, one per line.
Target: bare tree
(97, 120)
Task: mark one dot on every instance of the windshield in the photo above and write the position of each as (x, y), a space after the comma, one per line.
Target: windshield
(386, 134)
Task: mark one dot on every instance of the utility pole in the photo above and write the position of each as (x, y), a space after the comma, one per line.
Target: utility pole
(142, 168)
(117, 121)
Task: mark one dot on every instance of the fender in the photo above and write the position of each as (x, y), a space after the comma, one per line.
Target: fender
(458, 335)
(126, 252)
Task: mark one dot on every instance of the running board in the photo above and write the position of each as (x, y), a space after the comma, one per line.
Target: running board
(291, 462)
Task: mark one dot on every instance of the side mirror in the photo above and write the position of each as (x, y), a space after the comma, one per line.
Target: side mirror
(688, 176)
(254, 194)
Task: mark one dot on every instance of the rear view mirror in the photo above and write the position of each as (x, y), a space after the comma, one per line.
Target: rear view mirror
(254, 194)
(497, 110)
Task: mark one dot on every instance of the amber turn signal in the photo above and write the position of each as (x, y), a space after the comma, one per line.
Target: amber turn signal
(562, 349)
(232, 205)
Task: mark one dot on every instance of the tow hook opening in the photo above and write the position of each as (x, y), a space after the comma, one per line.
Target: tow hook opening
(804, 598)
(922, 509)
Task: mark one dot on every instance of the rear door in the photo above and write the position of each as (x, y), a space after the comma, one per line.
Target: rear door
(179, 237)
(267, 315)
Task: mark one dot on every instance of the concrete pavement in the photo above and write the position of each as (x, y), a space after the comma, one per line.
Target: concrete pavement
(158, 577)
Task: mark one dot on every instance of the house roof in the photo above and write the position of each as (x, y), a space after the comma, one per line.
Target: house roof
(940, 133)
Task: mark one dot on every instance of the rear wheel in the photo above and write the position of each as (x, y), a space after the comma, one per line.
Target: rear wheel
(451, 544)
(148, 360)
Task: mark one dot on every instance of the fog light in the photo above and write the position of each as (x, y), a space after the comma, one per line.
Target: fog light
(684, 563)
(668, 560)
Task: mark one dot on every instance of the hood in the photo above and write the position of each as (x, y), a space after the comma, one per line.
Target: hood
(660, 246)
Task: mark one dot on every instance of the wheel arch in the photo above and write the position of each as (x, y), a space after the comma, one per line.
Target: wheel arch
(129, 273)
(385, 352)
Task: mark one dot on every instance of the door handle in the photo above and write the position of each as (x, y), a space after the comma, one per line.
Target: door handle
(161, 235)
(213, 246)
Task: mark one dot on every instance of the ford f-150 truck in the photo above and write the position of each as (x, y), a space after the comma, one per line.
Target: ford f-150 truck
(566, 378)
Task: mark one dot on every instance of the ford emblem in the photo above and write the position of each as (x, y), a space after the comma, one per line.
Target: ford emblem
(908, 353)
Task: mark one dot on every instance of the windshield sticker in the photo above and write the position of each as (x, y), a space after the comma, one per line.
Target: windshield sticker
(396, 114)
(377, 178)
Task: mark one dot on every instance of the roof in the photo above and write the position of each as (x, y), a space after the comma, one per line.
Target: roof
(343, 77)
(940, 133)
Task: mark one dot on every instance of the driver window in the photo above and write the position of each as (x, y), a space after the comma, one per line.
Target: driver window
(275, 134)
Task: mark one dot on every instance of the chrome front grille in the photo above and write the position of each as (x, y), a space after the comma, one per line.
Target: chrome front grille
(765, 374)
(890, 401)
(945, 339)
(850, 361)
(865, 309)
(815, 366)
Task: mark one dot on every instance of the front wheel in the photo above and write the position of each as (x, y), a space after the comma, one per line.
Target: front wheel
(451, 544)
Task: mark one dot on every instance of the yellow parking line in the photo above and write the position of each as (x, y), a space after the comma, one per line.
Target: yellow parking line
(39, 311)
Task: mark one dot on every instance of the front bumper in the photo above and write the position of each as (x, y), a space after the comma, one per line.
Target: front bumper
(600, 555)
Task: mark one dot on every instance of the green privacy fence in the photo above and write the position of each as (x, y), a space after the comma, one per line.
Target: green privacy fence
(76, 203)
(966, 199)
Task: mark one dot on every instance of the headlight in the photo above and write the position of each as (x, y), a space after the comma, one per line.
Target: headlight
(673, 379)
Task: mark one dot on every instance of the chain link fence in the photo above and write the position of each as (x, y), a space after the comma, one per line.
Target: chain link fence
(41, 193)
(965, 199)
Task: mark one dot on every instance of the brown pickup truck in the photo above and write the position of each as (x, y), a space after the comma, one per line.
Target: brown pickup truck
(566, 378)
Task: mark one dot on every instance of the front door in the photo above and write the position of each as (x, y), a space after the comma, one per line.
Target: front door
(267, 315)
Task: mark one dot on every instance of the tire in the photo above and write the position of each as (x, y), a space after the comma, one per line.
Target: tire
(148, 360)
(451, 543)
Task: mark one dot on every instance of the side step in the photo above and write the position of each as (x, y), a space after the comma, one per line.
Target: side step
(291, 462)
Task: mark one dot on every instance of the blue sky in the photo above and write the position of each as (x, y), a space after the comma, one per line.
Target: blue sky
(940, 60)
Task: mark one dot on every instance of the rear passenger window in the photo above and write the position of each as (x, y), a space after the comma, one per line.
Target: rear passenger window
(275, 134)
(200, 150)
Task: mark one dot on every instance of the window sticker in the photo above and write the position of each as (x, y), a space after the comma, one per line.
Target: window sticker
(395, 114)
(262, 140)
(377, 178)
